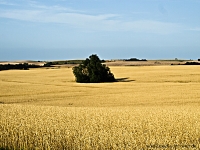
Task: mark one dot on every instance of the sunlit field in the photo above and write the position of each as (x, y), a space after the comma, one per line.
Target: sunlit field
(152, 107)
(157, 85)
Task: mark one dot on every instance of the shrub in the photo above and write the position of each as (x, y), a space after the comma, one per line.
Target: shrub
(92, 71)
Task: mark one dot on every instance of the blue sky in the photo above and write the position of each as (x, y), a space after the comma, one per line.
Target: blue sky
(113, 29)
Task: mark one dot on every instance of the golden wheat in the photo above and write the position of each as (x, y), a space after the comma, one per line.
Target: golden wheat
(150, 108)
(157, 85)
(40, 127)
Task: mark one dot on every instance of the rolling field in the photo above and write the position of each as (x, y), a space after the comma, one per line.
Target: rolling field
(152, 107)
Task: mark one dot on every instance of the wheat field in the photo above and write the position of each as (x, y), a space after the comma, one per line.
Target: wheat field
(153, 107)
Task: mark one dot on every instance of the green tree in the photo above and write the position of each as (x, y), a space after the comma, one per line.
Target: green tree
(92, 71)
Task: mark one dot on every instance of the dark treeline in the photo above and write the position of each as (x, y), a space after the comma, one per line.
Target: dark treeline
(188, 63)
(64, 62)
(192, 63)
(135, 59)
(24, 66)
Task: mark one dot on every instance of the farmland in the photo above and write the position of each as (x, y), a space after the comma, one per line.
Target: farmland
(149, 107)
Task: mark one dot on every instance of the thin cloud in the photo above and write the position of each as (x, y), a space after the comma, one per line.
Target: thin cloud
(7, 3)
(55, 8)
(79, 19)
(51, 17)
(25, 15)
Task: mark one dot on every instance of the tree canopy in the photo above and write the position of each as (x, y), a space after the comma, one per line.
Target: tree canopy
(93, 71)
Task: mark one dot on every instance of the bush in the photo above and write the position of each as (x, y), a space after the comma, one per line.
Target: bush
(192, 63)
(92, 71)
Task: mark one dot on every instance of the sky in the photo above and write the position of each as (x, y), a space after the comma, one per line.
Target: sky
(112, 29)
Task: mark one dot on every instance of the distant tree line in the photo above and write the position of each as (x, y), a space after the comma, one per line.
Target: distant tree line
(188, 63)
(64, 62)
(192, 63)
(26, 66)
(135, 59)
(21, 66)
